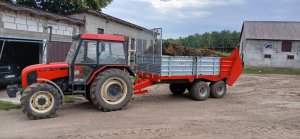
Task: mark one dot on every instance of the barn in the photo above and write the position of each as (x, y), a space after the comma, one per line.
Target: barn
(270, 44)
(137, 37)
(23, 33)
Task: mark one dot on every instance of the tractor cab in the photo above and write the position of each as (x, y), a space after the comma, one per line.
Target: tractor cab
(91, 52)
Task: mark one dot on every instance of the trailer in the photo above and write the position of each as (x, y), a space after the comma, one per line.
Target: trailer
(183, 72)
(97, 67)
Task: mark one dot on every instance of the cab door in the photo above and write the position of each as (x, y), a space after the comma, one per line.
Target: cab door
(84, 64)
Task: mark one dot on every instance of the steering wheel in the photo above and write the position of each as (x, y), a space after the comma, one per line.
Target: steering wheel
(89, 60)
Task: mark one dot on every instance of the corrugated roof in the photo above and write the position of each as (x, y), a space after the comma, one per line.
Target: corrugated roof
(271, 30)
(36, 12)
(110, 18)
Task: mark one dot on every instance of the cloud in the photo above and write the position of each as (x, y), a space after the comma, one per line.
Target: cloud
(185, 17)
(166, 5)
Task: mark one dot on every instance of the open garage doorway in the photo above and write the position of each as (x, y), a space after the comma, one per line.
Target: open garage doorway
(20, 53)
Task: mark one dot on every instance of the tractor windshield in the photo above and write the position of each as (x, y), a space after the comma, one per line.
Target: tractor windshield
(72, 51)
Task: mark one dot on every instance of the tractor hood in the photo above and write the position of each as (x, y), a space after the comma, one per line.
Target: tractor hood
(44, 71)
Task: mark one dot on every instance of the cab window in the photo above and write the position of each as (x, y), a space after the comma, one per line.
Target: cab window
(112, 53)
(87, 53)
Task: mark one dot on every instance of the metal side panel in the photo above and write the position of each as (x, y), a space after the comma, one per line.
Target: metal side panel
(179, 65)
(208, 66)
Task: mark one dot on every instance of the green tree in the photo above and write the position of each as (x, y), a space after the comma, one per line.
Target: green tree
(214, 39)
(64, 6)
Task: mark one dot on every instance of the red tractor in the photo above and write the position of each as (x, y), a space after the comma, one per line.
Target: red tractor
(96, 66)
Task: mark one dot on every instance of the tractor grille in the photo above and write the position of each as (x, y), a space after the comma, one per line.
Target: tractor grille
(4, 69)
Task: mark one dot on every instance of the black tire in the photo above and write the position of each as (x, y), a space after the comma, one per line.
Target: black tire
(218, 89)
(200, 91)
(189, 87)
(177, 88)
(87, 96)
(36, 96)
(121, 79)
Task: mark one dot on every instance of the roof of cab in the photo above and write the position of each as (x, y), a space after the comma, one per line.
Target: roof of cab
(105, 37)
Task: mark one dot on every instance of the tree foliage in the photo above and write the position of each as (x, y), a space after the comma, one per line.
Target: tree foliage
(215, 39)
(64, 6)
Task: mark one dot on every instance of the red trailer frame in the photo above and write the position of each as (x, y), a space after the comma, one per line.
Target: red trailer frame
(230, 70)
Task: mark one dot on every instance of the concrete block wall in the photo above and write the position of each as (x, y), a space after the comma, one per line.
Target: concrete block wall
(18, 24)
(255, 50)
(94, 22)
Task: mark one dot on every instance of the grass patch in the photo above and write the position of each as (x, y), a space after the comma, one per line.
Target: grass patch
(72, 98)
(68, 99)
(271, 71)
(7, 106)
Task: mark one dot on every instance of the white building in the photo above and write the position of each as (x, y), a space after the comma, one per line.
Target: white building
(270, 44)
(22, 33)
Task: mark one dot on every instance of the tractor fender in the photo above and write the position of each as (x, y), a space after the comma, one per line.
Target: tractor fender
(55, 85)
(122, 67)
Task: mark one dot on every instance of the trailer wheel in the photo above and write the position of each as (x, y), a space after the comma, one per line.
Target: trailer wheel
(178, 88)
(189, 87)
(218, 89)
(200, 91)
(40, 101)
(111, 90)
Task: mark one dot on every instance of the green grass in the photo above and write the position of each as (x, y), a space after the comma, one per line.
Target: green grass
(7, 106)
(72, 99)
(68, 99)
(271, 71)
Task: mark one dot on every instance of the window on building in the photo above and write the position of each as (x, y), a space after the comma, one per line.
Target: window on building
(286, 46)
(100, 31)
(268, 56)
(291, 57)
(132, 44)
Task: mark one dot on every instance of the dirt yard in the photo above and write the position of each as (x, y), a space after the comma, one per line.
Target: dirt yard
(257, 106)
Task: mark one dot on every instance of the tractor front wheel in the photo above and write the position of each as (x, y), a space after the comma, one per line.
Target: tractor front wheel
(111, 90)
(40, 101)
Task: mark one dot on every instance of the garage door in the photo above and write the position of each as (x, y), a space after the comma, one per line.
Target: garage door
(21, 53)
(57, 51)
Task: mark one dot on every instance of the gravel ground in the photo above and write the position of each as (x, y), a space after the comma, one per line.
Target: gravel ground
(257, 106)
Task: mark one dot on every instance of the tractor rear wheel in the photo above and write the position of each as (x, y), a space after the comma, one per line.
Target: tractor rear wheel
(40, 101)
(200, 91)
(218, 89)
(178, 88)
(111, 90)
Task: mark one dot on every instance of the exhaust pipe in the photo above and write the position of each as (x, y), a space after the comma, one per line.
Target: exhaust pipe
(45, 48)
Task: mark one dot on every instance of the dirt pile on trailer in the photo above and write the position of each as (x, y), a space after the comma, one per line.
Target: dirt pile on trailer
(178, 50)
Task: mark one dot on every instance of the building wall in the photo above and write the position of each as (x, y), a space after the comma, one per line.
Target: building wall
(255, 50)
(24, 26)
(242, 45)
(92, 23)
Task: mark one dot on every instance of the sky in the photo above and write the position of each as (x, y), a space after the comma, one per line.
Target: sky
(180, 18)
